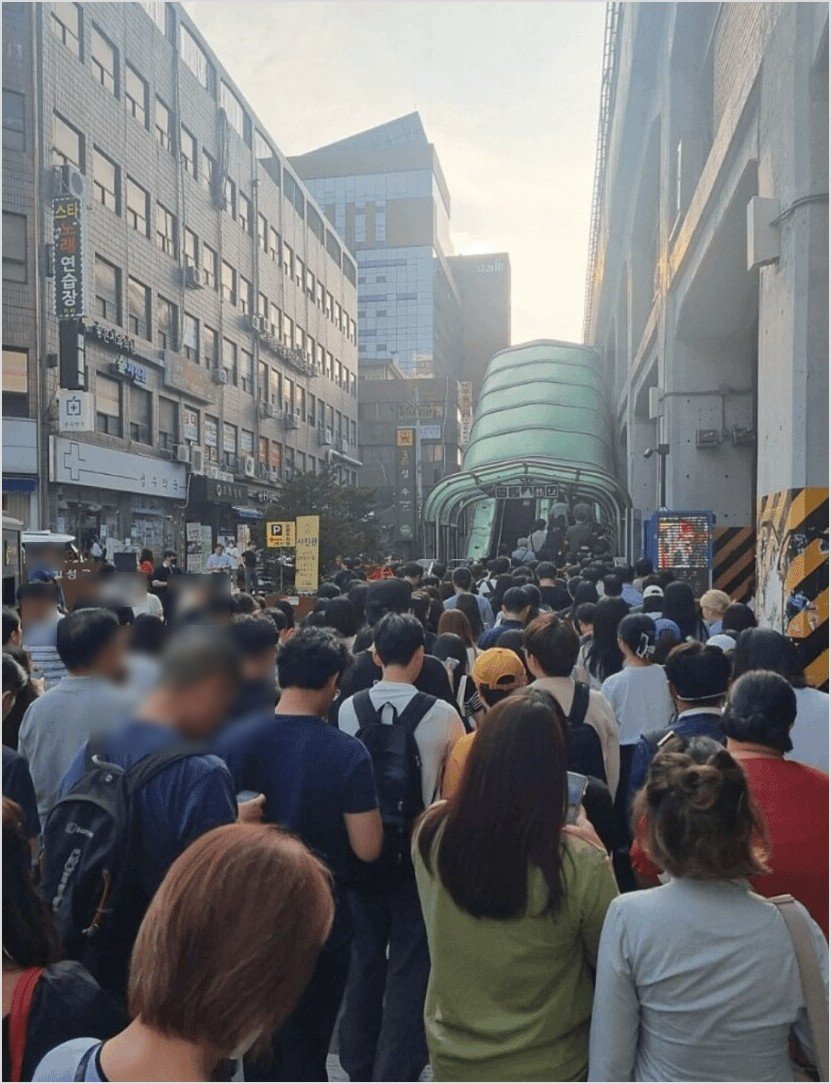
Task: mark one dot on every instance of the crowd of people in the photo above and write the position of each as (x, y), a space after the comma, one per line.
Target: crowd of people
(534, 819)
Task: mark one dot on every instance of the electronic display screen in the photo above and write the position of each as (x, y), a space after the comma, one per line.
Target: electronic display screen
(684, 541)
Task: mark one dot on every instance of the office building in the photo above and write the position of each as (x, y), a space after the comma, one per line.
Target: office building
(208, 343)
(707, 291)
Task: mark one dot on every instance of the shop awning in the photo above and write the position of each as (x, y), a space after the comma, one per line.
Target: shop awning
(19, 485)
(247, 513)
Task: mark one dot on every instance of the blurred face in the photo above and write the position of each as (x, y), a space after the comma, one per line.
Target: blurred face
(260, 666)
(199, 710)
(710, 614)
(34, 611)
(110, 661)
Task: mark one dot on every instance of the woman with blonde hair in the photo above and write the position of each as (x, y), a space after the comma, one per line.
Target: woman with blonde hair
(225, 950)
(714, 605)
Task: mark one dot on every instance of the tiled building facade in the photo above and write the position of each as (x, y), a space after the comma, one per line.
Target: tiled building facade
(221, 340)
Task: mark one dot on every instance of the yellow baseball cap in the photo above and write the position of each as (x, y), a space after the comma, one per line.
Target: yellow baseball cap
(499, 668)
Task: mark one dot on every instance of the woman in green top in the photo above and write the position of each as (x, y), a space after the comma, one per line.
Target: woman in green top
(513, 902)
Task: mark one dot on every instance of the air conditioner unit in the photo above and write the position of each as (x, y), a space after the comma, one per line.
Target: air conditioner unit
(291, 419)
(325, 436)
(249, 466)
(197, 461)
(219, 376)
(340, 444)
(257, 324)
(193, 277)
(70, 181)
(182, 453)
(655, 407)
(266, 409)
(275, 474)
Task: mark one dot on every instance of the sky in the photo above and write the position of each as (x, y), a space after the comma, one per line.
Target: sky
(508, 92)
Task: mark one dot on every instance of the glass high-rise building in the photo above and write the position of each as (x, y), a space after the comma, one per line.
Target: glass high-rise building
(385, 192)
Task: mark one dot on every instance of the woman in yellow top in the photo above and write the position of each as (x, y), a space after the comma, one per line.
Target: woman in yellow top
(514, 902)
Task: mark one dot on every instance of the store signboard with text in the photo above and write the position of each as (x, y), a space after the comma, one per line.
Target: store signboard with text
(307, 554)
(280, 534)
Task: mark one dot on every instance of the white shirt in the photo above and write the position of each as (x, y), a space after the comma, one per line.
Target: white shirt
(640, 699)
(697, 980)
(435, 735)
(148, 604)
(217, 562)
(810, 731)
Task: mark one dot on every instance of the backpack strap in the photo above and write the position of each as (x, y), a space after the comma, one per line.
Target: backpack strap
(813, 987)
(140, 773)
(22, 997)
(364, 709)
(86, 1057)
(579, 705)
(415, 711)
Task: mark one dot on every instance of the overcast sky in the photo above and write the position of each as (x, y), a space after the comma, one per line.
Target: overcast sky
(507, 92)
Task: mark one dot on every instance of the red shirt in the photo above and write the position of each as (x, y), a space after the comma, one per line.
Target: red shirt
(793, 799)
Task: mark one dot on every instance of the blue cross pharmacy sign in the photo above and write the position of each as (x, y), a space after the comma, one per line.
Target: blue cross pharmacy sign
(76, 411)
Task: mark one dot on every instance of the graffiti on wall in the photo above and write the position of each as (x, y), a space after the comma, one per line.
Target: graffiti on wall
(792, 572)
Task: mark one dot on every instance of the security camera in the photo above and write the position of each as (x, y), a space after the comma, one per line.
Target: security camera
(649, 453)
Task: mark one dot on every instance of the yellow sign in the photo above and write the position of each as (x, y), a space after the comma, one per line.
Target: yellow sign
(279, 534)
(405, 438)
(307, 555)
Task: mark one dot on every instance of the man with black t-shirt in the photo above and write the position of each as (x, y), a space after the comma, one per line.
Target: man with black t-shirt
(160, 582)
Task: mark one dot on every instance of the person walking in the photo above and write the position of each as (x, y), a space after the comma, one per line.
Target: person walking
(462, 580)
(410, 736)
(513, 907)
(698, 979)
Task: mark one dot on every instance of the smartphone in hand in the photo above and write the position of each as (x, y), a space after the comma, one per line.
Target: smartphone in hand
(577, 785)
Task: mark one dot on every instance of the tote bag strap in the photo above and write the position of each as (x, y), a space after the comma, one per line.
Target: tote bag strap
(813, 988)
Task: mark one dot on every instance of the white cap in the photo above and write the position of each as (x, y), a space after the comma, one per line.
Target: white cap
(723, 641)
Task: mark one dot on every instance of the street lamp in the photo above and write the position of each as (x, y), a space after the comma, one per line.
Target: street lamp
(662, 451)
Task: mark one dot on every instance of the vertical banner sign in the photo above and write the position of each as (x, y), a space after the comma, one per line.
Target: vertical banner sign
(405, 498)
(306, 559)
(68, 236)
(466, 411)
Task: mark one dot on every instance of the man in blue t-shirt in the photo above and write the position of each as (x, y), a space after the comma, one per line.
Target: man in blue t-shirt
(317, 783)
(200, 673)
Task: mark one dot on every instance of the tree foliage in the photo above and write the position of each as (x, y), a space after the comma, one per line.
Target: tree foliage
(347, 513)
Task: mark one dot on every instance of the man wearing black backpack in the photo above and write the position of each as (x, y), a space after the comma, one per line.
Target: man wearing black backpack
(409, 735)
(132, 801)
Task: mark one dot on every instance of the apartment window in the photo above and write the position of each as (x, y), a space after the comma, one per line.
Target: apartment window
(104, 180)
(310, 284)
(14, 121)
(68, 147)
(246, 442)
(299, 338)
(276, 387)
(15, 263)
(276, 455)
(230, 197)
(15, 382)
(262, 305)
(311, 349)
(211, 437)
(244, 212)
(233, 108)
(165, 230)
(191, 247)
(188, 151)
(288, 331)
(229, 360)
(210, 265)
(246, 371)
(138, 308)
(190, 337)
(166, 324)
(274, 244)
(104, 61)
(288, 395)
(330, 302)
(168, 422)
(311, 415)
(138, 202)
(353, 432)
(141, 415)
(434, 453)
(107, 405)
(288, 260)
(330, 365)
(210, 347)
(229, 443)
(301, 402)
(194, 57)
(135, 94)
(229, 283)
(245, 295)
(66, 26)
(289, 462)
(262, 388)
(156, 9)
(338, 374)
(164, 125)
(301, 462)
(262, 231)
(262, 450)
(107, 290)
(299, 271)
(320, 291)
(208, 167)
(337, 314)
(275, 318)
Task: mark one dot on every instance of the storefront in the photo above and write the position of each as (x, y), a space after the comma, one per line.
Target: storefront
(132, 500)
(20, 470)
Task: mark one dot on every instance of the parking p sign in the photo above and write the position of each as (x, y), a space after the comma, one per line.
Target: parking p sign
(280, 534)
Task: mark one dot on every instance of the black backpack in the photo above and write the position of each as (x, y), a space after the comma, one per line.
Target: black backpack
(585, 751)
(396, 763)
(88, 878)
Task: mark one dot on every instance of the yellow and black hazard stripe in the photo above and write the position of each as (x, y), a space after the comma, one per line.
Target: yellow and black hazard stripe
(792, 531)
(734, 561)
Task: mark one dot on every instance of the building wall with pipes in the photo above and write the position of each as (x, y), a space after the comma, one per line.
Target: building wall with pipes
(720, 356)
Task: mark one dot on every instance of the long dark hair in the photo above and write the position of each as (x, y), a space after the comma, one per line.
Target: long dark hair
(467, 604)
(29, 935)
(604, 657)
(679, 606)
(767, 649)
(508, 811)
